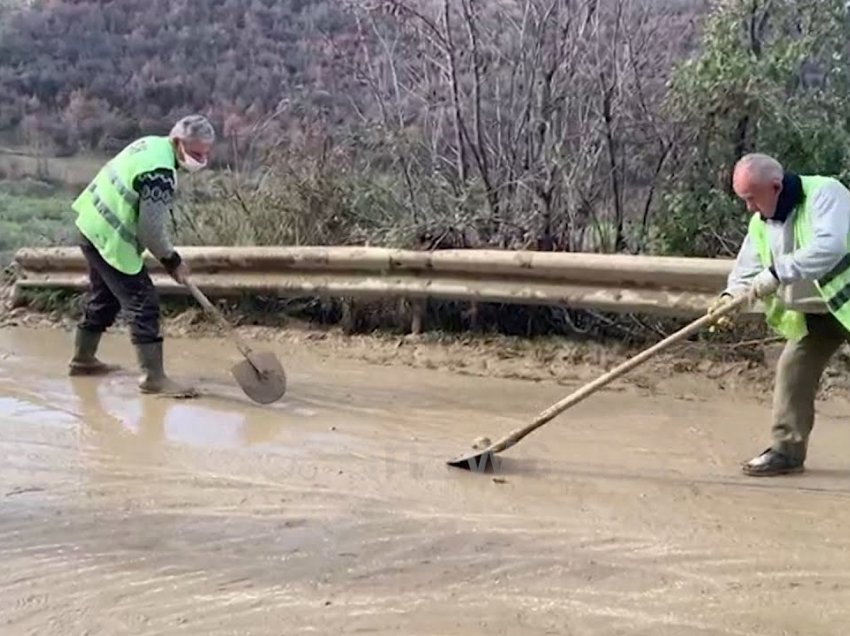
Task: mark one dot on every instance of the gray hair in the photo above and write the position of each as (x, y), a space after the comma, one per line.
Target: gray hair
(193, 127)
(762, 168)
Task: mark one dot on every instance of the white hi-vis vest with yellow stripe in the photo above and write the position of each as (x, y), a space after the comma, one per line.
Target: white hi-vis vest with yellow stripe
(833, 287)
(107, 210)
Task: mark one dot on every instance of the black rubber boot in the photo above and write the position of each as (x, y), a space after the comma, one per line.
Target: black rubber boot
(154, 379)
(770, 463)
(84, 361)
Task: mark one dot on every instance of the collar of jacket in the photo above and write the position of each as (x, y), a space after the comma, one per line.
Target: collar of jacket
(790, 197)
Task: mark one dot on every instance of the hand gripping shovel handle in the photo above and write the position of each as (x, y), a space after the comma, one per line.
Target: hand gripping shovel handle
(514, 436)
(211, 309)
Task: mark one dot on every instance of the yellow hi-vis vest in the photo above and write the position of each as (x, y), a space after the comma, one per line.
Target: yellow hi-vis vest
(833, 287)
(107, 210)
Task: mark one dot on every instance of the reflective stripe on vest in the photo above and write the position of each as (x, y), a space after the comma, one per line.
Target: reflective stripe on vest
(837, 295)
(129, 196)
(109, 216)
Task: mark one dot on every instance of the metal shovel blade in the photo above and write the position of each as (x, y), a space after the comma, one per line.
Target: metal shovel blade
(484, 461)
(262, 379)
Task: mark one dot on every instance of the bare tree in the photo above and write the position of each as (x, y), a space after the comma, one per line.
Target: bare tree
(536, 120)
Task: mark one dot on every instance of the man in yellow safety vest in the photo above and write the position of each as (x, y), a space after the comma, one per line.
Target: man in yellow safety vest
(794, 258)
(123, 211)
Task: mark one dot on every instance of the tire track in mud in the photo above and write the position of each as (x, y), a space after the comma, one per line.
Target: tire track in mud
(104, 568)
(190, 571)
(119, 580)
(450, 567)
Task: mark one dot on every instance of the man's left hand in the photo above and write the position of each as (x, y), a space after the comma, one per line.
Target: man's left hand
(765, 284)
(181, 273)
(176, 268)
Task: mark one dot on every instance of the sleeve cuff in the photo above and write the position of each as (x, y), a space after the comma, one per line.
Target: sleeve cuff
(171, 262)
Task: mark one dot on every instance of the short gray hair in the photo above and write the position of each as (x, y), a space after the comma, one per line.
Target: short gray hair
(763, 168)
(193, 127)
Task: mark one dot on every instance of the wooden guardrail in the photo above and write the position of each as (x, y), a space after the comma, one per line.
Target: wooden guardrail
(611, 283)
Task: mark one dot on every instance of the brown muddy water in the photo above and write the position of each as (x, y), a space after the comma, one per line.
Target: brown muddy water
(333, 512)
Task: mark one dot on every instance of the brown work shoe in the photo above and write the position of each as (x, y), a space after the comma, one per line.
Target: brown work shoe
(770, 463)
(154, 379)
(84, 361)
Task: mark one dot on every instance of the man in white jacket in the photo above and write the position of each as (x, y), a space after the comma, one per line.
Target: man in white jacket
(795, 259)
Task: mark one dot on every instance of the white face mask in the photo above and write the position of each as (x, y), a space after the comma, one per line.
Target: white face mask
(189, 163)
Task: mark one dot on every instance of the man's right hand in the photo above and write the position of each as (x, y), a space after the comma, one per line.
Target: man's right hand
(724, 323)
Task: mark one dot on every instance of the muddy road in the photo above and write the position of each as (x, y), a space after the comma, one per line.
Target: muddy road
(332, 511)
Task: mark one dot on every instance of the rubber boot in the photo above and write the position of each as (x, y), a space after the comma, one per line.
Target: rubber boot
(154, 379)
(84, 361)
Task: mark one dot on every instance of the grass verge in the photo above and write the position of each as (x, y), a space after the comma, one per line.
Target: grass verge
(33, 214)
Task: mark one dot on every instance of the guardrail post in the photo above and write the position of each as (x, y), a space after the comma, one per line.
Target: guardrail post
(347, 321)
(417, 315)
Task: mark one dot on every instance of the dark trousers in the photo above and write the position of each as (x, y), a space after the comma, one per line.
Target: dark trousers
(111, 290)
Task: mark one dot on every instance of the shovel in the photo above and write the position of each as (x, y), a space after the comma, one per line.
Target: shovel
(260, 375)
(484, 460)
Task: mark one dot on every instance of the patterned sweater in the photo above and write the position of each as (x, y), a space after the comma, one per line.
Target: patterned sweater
(156, 191)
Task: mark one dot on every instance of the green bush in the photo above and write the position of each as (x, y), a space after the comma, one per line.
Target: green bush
(769, 77)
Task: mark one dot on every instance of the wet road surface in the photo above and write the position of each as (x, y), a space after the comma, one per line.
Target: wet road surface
(333, 512)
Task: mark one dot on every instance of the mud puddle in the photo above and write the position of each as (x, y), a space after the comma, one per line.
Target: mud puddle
(332, 511)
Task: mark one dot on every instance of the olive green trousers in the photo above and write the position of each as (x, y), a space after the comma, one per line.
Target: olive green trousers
(798, 375)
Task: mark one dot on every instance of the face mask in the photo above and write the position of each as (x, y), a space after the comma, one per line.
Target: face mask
(189, 163)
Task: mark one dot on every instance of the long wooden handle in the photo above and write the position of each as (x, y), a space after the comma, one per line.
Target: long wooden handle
(516, 435)
(211, 309)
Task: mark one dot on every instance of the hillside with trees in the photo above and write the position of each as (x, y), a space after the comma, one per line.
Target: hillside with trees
(543, 124)
(92, 75)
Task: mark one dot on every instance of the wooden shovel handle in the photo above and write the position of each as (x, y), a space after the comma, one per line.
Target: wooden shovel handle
(516, 435)
(211, 309)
